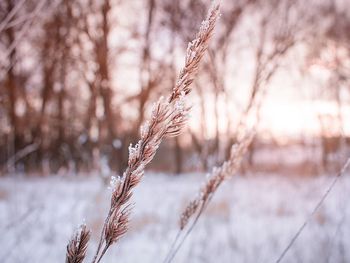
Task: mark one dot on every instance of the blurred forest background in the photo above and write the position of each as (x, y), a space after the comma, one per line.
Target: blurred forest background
(77, 78)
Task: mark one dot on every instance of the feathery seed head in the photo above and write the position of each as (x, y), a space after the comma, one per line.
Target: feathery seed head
(117, 225)
(76, 248)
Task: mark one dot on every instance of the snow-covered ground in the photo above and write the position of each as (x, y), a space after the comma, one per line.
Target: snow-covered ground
(251, 219)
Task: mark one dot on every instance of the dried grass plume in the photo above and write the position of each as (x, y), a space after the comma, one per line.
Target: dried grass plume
(77, 246)
(167, 120)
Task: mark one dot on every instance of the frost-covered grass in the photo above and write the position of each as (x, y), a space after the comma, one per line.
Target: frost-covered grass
(251, 219)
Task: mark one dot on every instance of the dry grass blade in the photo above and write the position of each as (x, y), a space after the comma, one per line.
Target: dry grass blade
(316, 208)
(218, 175)
(195, 208)
(117, 225)
(195, 52)
(76, 249)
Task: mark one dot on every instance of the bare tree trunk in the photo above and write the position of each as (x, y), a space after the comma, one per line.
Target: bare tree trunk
(178, 151)
(217, 128)
(201, 151)
(178, 156)
(102, 52)
(145, 70)
(11, 86)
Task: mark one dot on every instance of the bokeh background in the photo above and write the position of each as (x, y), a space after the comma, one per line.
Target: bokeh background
(78, 78)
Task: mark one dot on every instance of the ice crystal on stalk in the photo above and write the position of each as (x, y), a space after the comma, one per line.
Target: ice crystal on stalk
(114, 182)
(144, 129)
(191, 51)
(180, 104)
(156, 107)
(204, 25)
(133, 150)
(192, 55)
